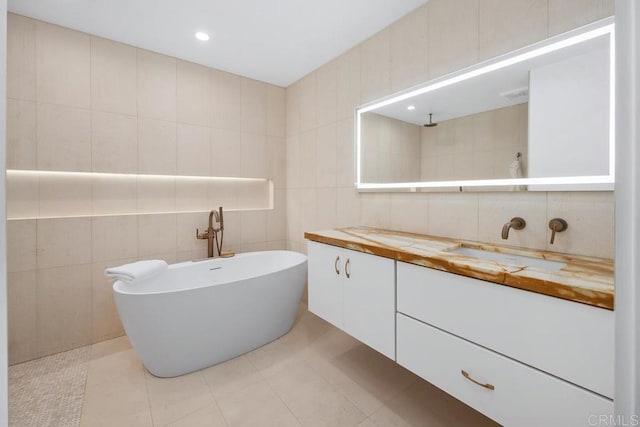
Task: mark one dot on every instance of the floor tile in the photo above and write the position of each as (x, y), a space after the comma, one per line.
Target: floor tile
(364, 376)
(230, 376)
(256, 405)
(307, 329)
(209, 416)
(312, 399)
(173, 398)
(116, 391)
(274, 357)
(332, 344)
(422, 405)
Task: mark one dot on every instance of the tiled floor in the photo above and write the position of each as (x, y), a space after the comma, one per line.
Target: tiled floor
(315, 375)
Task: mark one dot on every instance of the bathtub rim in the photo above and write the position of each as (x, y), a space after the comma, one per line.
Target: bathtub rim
(118, 285)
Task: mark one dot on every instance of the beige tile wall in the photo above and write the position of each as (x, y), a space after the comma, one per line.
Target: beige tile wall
(479, 146)
(82, 103)
(391, 150)
(440, 37)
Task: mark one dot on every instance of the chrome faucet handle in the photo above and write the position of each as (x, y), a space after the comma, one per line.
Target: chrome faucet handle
(557, 225)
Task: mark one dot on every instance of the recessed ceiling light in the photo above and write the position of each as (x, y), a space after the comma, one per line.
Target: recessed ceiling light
(202, 36)
(411, 107)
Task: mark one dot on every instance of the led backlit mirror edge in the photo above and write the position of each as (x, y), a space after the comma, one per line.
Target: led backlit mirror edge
(599, 28)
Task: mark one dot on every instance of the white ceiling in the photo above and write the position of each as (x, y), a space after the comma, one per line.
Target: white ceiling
(276, 41)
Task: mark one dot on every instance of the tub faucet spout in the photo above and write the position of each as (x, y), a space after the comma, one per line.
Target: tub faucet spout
(516, 223)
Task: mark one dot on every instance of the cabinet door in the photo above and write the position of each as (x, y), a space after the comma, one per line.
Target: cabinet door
(325, 265)
(369, 300)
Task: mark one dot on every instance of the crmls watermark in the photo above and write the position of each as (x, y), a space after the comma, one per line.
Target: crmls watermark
(613, 420)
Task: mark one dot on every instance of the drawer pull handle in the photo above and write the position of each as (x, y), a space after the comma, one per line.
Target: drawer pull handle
(346, 268)
(467, 376)
(335, 265)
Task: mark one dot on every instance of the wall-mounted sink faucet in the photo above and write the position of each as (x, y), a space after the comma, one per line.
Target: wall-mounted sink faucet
(211, 234)
(557, 225)
(516, 223)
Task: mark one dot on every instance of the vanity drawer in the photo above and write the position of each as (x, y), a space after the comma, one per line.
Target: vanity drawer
(570, 340)
(521, 396)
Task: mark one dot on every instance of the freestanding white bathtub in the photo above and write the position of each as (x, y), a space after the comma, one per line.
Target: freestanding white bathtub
(198, 314)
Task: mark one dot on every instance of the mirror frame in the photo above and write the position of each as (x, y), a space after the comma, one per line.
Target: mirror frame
(584, 183)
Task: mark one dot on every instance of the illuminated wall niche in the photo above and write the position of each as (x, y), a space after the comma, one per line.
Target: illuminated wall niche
(56, 194)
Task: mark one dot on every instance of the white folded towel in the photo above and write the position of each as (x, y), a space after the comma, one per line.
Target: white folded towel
(137, 271)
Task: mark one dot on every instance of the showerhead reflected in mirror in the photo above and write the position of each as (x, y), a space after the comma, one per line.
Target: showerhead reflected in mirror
(430, 123)
(539, 118)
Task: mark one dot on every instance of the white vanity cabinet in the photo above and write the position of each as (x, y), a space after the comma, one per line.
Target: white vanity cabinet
(355, 292)
(519, 357)
(569, 340)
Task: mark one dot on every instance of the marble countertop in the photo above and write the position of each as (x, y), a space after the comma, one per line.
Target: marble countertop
(583, 279)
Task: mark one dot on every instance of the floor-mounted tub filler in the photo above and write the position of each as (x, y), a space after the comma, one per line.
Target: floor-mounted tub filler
(197, 314)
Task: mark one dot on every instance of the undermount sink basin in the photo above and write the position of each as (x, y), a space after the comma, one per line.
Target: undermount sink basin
(510, 259)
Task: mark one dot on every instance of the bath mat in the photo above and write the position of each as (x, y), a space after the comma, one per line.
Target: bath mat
(48, 391)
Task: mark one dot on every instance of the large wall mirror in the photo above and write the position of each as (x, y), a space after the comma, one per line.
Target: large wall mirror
(539, 118)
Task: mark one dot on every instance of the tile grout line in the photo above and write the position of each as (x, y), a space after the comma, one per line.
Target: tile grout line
(84, 387)
(266, 381)
(146, 386)
(215, 400)
(342, 392)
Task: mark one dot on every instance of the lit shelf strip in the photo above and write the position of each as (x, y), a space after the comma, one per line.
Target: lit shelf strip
(266, 201)
(239, 210)
(24, 172)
